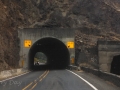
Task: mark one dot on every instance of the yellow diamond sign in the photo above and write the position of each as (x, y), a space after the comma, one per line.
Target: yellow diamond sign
(70, 44)
(27, 43)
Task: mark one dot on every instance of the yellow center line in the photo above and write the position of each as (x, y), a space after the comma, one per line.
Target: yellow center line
(42, 74)
(45, 74)
(33, 86)
(34, 81)
(27, 86)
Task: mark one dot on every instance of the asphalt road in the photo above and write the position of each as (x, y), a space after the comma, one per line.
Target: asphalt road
(56, 80)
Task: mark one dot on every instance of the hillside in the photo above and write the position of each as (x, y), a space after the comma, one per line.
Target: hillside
(14, 14)
(95, 20)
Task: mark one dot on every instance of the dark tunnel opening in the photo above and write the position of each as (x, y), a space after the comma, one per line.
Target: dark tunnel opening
(55, 50)
(40, 59)
(115, 65)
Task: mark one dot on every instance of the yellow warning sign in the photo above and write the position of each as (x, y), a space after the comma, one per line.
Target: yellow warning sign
(70, 44)
(72, 60)
(27, 43)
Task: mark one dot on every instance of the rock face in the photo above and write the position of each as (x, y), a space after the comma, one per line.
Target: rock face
(95, 20)
(14, 14)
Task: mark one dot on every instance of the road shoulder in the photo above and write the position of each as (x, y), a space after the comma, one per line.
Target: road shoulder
(96, 81)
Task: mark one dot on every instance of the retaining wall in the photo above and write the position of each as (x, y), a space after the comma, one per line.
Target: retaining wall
(9, 73)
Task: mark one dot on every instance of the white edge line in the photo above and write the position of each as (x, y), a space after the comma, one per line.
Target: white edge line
(84, 80)
(15, 76)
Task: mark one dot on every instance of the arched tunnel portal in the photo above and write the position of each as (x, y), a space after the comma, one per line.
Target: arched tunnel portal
(57, 53)
(57, 44)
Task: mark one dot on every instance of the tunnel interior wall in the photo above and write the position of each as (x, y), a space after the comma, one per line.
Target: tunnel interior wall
(106, 52)
(62, 34)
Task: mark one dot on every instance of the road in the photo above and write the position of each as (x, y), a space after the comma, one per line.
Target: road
(56, 80)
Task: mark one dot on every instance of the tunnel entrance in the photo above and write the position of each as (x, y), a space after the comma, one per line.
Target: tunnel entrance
(115, 65)
(57, 54)
(40, 59)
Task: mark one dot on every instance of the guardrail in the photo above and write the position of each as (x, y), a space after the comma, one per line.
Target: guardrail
(115, 79)
(72, 67)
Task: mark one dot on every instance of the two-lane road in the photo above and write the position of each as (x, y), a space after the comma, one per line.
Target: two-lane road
(56, 80)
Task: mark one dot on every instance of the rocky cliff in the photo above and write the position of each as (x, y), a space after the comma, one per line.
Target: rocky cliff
(95, 20)
(14, 14)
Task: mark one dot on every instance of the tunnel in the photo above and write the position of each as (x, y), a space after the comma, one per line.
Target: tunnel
(115, 65)
(57, 54)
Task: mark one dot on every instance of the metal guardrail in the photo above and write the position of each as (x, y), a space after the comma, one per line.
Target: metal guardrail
(72, 67)
(115, 79)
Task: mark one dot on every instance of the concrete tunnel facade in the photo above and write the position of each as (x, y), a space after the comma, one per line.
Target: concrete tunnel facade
(109, 56)
(53, 42)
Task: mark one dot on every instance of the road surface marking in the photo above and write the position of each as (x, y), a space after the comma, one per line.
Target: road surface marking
(15, 76)
(33, 86)
(41, 79)
(27, 86)
(42, 74)
(45, 74)
(84, 80)
(35, 81)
